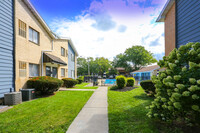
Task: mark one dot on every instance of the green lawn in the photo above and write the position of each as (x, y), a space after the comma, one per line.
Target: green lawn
(82, 86)
(51, 114)
(127, 113)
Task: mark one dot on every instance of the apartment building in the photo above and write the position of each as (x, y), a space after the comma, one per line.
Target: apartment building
(182, 23)
(28, 47)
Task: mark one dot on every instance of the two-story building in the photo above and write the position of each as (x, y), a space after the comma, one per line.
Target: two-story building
(28, 47)
(182, 23)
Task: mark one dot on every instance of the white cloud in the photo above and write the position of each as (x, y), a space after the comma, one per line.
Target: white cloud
(90, 40)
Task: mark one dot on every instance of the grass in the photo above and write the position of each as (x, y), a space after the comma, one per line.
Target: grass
(52, 114)
(127, 113)
(82, 86)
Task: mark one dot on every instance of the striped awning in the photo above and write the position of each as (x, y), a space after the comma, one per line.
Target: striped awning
(49, 58)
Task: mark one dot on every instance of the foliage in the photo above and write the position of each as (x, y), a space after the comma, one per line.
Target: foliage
(52, 114)
(178, 87)
(69, 83)
(112, 71)
(148, 87)
(121, 61)
(96, 66)
(121, 81)
(80, 79)
(115, 87)
(138, 56)
(44, 84)
(130, 82)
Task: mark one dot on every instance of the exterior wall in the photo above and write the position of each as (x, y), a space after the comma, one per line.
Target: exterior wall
(29, 52)
(170, 30)
(188, 21)
(6, 46)
(71, 64)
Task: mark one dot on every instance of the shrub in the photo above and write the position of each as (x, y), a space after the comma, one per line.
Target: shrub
(178, 86)
(121, 81)
(148, 87)
(44, 85)
(80, 79)
(130, 82)
(69, 83)
(114, 87)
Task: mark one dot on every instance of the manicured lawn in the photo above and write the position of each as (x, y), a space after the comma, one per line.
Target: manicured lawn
(51, 114)
(127, 113)
(82, 86)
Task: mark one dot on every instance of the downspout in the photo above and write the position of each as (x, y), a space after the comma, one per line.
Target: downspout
(43, 56)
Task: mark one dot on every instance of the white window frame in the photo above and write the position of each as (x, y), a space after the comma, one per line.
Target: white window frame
(31, 69)
(34, 36)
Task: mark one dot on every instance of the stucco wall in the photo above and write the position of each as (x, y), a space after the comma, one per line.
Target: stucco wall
(170, 30)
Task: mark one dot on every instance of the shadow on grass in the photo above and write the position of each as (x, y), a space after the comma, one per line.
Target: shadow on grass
(143, 97)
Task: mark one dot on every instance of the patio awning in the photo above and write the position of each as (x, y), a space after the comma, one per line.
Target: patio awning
(48, 58)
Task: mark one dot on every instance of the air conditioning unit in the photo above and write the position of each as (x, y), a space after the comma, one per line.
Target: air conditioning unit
(13, 98)
(28, 94)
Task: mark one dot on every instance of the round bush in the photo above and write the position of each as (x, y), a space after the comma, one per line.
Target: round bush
(121, 81)
(148, 87)
(130, 82)
(69, 83)
(44, 85)
(178, 86)
(80, 79)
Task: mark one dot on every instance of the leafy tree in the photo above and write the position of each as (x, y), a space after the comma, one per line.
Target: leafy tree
(82, 66)
(121, 61)
(138, 56)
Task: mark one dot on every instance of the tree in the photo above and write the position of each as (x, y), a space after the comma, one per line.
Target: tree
(103, 65)
(138, 56)
(82, 66)
(121, 61)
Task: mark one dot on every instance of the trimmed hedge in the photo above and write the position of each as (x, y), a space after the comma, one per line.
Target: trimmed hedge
(148, 87)
(178, 87)
(80, 79)
(130, 82)
(121, 81)
(44, 85)
(69, 83)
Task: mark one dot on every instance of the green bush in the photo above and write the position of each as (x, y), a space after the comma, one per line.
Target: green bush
(69, 83)
(114, 87)
(121, 81)
(130, 82)
(44, 85)
(178, 86)
(80, 79)
(148, 87)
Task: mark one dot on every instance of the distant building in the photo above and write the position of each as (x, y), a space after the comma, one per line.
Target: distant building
(145, 73)
(182, 22)
(121, 70)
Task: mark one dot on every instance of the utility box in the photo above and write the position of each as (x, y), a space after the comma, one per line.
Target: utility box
(28, 94)
(13, 98)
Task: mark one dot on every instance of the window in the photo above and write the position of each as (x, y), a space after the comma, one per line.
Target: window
(72, 57)
(72, 74)
(33, 70)
(48, 71)
(62, 72)
(22, 69)
(62, 51)
(22, 29)
(33, 36)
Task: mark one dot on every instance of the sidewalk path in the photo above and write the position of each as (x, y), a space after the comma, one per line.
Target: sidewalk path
(89, 85)
(93, 118)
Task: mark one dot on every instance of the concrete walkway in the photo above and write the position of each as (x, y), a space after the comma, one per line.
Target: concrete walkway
(93, 118)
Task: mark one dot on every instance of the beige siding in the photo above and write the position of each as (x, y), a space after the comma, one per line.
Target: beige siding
(29, 52)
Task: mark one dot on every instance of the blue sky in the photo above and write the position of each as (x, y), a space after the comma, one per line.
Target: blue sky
(106, 27)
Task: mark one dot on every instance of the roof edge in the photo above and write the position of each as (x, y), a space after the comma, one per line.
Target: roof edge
(165, 10)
